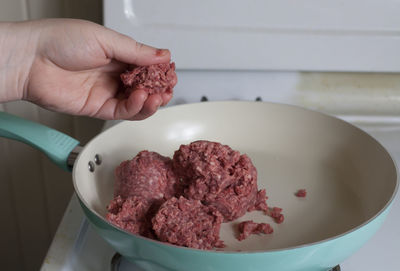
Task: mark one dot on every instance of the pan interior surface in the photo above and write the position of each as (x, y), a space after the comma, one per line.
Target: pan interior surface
(349, 177)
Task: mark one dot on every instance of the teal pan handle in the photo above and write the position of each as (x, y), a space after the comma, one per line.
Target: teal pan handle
(56, 145)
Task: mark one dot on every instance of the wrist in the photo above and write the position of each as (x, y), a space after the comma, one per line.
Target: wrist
(18, 43)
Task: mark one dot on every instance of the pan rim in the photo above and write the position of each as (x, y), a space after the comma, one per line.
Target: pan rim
(244, 252)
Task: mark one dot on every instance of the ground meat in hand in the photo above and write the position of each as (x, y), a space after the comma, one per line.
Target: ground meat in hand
(157, 78)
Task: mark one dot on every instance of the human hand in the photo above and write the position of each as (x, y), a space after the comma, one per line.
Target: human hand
(74, 66)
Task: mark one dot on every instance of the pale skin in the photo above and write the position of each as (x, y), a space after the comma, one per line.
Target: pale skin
(73, 66)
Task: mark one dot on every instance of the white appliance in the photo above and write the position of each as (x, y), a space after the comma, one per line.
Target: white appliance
(259, 50)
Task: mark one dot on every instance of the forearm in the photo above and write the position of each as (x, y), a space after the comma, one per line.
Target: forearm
(18, 42)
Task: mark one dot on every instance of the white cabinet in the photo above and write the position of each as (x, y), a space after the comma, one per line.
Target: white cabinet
(312, 35)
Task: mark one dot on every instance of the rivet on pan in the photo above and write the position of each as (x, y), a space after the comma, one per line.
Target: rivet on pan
(97, 159)
(258, 99)
(116, 261)
(204, 99)
(91, 166)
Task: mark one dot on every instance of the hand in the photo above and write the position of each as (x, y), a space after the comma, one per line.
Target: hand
(73, 66)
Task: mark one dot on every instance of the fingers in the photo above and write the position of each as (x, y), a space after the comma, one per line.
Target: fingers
(127, 50)
(166, 97)
(115, 109)
(149, 108)
(139, 105)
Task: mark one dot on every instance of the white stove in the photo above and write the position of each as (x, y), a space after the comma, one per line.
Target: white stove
(231, 50)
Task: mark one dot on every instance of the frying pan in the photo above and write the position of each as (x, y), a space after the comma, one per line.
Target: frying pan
(350, 180)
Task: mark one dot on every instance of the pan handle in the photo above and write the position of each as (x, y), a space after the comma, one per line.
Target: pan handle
(56, 145)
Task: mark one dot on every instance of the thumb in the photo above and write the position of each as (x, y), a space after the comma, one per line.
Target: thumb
(125, 49)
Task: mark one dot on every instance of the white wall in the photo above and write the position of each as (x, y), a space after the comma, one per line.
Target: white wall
(34, 192)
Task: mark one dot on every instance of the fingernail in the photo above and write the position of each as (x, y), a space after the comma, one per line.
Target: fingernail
(161, 52)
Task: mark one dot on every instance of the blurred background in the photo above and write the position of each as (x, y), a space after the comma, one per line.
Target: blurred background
(33, 192)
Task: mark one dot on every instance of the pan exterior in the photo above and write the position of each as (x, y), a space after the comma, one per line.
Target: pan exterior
(157, 256)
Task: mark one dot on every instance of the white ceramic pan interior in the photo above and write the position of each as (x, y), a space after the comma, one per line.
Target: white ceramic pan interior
(349, 177)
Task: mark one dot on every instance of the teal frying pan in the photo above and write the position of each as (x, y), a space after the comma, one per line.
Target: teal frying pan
(350, 180)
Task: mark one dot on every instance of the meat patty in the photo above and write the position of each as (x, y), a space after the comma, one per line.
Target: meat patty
(218, 176)
(249, 227)
(157, 78)
(188, 223)
(148, 175)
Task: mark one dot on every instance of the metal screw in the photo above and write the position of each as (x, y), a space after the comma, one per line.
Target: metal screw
(97, 159)
(116, 261)
(204, 99)
(91, 166)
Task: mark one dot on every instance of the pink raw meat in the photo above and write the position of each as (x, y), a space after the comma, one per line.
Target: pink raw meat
(218, 176)
(249, 227)
(157, 78)
(188, 223)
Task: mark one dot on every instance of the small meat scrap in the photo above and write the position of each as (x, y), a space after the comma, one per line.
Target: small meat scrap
(188, 223)
(148, 175)
(261, 202)
(157, 78)
(301, 193)
(275, 213)
(131, 214)
(249, 227)
(218, 176)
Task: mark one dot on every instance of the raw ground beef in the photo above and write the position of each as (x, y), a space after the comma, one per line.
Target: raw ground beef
(204, 184)
(249, 227)
(261, 202)
(158, 78)
(131, 214)
(188, 223)
(218, 176)
(275, 213)
(301, 193)
(148, 175)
